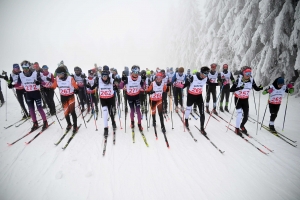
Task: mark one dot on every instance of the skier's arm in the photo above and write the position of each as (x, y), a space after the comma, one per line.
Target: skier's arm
(232, 78)
(174, 78)
(255, 87)
(73, 82)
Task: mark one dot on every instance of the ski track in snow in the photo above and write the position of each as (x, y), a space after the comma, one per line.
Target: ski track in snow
(187, 170)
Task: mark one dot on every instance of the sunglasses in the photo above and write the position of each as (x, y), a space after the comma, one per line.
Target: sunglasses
(60, 74)
(104, 76)
(247, 73)
(135, 72)
(25, 68)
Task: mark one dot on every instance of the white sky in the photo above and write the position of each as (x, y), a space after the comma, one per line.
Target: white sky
(116, 33)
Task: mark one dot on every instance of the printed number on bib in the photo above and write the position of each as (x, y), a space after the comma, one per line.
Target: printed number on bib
(30, 87)
(276, 100)
(196, 90)
(157, 96)
(105, 93)
(244, 94)
(48, 84)
(65, 91)
(133, 90)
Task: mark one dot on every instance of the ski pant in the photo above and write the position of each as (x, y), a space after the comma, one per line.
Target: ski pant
(48, 95)
(159, 106)
(83, 97)
(274, 108)
(225, 93)
(125, 100)
(196, 100)
(242, 106)
(94, 101)
(35, 96)
(134, 104)
(107, 109)
(211, 90)
(68, 103)
(177, 92)
(1, 96)
(143, 100)
(165, 101)
(21, 95)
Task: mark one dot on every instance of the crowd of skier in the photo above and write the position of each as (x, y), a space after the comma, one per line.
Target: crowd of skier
(140, 91)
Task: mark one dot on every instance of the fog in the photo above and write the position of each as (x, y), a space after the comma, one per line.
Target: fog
(116, 33)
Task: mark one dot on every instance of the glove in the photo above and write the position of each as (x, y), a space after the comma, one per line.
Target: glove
(289, 86)
(6, 78)
(151, 92)
(124, 78)
(260, 87)
(76, 91)
(88, 85)
(49, 79)
(180, 85)
(115, 87)
(225, 82)
(10, 86)
(270, 90)
(291, 90)
(37, 82)
(265, 92)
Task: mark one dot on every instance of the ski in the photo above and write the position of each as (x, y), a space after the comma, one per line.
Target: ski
(66, 132)
(166, 140)
(104, 147)
(249, 142)
(246, 134)
(210, 141)
(187, 128)
(89, 119)
(276, 134)
(114, 136)
(23, 136)
(133, 135)
(71, 138)
(194, 116)
(144, 138)
(15, 123)
(39, 133)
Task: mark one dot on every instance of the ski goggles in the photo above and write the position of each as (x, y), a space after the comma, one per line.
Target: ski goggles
(25, 67)
(205, 73)
(104, 75)
(135, 71)
(247, 73)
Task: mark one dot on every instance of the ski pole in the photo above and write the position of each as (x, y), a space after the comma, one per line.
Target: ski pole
(264, 113)
(258, 113)
(232, 113)
(285, 110)
(212, 110)
(58, 99)
(81, 111)
(119, 112)
(6, 103)
(150, 111)
(254, 102)
(93, 111)
(230, 102)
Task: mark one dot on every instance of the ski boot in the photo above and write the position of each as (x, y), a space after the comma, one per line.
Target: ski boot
(113, 122)
(75, 128)
(140, 127)
(24, 116)
(203, 131)
(34, 126)
(69, 127)
(237, 131)
(105, 132)
(221, 109)
(214, 111)
(187, 123)
(226, 109)
(163, 129)
(195, 109)
(176, 109)
(207, 110)
(244, 130)
(182, 109)
(272, 128)
(132, 124)
(45, 125)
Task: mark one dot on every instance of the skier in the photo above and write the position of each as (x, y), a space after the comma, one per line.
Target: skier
(46, 90)
(20, 91)
(31, 82)
(194, 72)
(142, 94)
(91, 84)
(225, 76)
(194, 96)
(178, 83)
(132, 86)
(107, 98)
(80, 79)
(241, 89)
(276, 92)
(156, 90)
(125, 74)
(212, 83)
(117, 81)
(67, 88)
(1, 94)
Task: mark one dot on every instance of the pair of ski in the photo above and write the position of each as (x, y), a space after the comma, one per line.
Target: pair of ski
(105, 141)
(39, 133)
(21, 121)
(143, 136)
(70, 139)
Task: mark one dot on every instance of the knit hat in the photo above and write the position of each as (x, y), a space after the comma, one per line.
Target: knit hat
(45, 67)
(280, 81)
(16, 66)
(181, 70)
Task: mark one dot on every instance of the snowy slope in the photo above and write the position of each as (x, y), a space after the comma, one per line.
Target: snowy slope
(188, 170)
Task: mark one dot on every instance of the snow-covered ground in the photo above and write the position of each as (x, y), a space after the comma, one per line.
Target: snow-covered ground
(188, 170)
